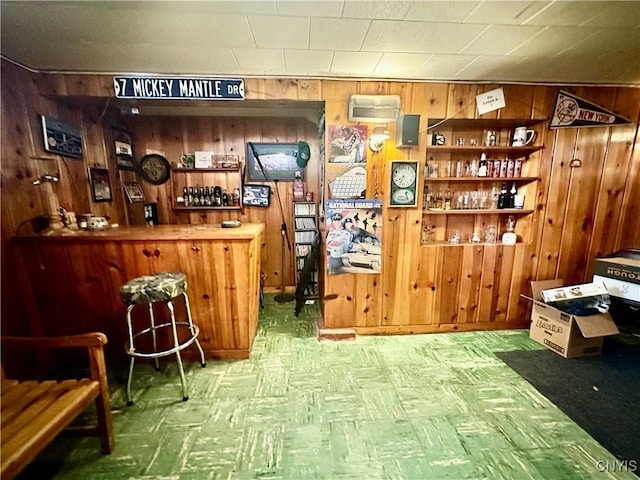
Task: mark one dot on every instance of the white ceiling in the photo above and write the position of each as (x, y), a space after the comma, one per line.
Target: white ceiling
(592, 42)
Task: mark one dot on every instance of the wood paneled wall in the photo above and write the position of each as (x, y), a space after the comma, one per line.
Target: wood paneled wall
(580, 212)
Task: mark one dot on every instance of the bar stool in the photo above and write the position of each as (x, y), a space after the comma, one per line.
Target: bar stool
(149, 289)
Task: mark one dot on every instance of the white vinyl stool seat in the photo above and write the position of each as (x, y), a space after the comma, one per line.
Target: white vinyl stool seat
(149, 289)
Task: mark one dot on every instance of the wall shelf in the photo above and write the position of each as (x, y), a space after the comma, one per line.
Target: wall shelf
(502, 211)
(515, 152)
(479, 179)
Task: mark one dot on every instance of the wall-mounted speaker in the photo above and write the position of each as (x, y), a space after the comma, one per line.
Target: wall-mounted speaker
(407, 127)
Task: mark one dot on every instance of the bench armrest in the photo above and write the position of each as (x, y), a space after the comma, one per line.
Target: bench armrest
(85, 340)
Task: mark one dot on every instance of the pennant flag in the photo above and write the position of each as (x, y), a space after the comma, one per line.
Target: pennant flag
(572, 111)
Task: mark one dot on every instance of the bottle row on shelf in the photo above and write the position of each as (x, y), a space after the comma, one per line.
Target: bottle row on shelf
(483, 167)
(498, 198)
(213, 196)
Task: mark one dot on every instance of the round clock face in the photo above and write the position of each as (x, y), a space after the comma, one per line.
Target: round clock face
(155, 169)
(403, 175)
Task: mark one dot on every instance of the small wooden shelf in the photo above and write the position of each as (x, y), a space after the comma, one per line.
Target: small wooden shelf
(205, 170)
(513, 151)
(208, 207)
(480, 179)
(475, 123)
(510, 211)
(469, 244)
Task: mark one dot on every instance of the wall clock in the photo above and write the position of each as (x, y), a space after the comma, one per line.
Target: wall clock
(404, 184)
(154, 169)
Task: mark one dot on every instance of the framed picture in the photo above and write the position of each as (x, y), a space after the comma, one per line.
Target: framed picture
(134, 192)
(61, 138)
(123, 144)
(256, 195)
(100, 185)
(277, 159)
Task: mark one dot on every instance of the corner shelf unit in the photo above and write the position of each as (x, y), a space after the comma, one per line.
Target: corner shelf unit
(463, 143)
(228, 179)
(305, 229)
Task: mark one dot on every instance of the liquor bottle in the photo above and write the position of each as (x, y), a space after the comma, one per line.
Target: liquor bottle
(502, 199)
(482, 169)
(236, 197)
(298, 186)
(196, 196)
(509, 237)
(217, 196)
(447, 200)
(185, 196)
(225, 199)
(207, 196)
(512, 195)
(191, 196)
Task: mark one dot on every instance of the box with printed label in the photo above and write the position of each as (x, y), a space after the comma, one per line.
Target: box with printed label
(618, 268)
(566, 334)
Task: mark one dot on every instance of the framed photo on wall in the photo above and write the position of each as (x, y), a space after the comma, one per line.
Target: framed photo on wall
(123, 144)
(256, 195)
(61, 138)
(277, 159)
(100, 184)
(134, 192)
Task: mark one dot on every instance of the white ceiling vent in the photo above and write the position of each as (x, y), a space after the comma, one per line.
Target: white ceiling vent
(374, 108)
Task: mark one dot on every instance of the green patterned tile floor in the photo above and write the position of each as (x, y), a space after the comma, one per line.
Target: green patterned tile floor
(390, 407)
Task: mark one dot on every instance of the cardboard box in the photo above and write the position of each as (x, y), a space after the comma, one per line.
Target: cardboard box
(617, 288)
(618, 268)
(567, 335)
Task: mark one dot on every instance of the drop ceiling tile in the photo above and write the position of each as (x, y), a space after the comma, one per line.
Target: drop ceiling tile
(419, 37)
(389, 10)
(354, 63)
(394, 65)
(439, 11)
(617, 14)
(500, 39)
(338, 33)
(308, 62)
(280, 32)
(485, 69)
(605, 41)
(444, 67)
(568, 13)
(505, 12)
(310, 8)
(552, 40)
(260, 61)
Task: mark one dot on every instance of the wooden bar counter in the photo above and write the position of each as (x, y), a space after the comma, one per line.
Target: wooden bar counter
(75, 280)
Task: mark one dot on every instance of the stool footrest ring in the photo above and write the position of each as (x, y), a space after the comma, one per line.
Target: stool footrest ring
(163, 353)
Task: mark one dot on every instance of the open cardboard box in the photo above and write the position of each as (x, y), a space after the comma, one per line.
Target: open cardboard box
(567, 335)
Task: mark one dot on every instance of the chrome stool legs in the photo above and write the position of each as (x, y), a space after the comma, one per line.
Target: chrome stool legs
(176, 348)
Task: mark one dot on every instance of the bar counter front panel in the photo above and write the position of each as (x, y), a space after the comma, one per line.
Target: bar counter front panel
(75, 280)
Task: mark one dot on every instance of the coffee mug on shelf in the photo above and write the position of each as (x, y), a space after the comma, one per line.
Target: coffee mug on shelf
(523, 136)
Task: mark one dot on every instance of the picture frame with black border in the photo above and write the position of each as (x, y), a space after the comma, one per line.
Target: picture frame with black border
(256, 195)
(61, 138)
(134, 192)
(100, 184)
(278, 159)
(123, 144)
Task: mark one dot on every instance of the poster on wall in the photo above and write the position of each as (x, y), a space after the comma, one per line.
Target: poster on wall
(346, 181)
(571, 111)
(354, 236)
(348, 143)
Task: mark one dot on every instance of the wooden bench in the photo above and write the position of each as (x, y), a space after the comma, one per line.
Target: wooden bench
(35, 412)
